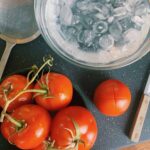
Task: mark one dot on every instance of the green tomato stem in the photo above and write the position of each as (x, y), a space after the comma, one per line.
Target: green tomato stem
(19, 94)
(76, 139)
(37, 73)
(14, 121)
(4, 111)
(5, 96)
(25, 90)
(77, 129)
(28, 91)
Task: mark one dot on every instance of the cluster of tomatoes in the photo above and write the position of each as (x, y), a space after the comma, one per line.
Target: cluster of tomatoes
(26, 117)
(28, 101)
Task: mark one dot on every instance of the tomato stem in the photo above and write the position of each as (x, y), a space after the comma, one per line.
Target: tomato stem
(14, 121)
(77, 129)
(4, 111)
(5, 95)
(49, 62)
(76, 139)
(19, 94)
(29, 74)
(28, 91)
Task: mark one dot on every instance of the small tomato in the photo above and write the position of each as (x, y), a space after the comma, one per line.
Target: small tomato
(59, 91)
(12, 85)
(112, 97)
(74, 127)
(35, 126)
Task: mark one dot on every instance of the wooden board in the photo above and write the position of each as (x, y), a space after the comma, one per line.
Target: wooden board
(141, 146)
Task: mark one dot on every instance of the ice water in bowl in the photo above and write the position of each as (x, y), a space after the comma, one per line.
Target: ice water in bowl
(98, 31)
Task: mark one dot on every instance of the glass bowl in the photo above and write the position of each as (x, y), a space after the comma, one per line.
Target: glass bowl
(47, 20)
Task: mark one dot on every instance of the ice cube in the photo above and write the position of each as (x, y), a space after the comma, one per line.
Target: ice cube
(75, 10)
(131, 34)
(138, 2)
(128, 7)
(121, 42)
(87, 21)
(110, 7)
(137, 22)
(115, 29)
(102, 9)
(63, 29)
(72, 31)
(141, 9)
(79, 27)
(118, 3)
(89, 7)
(137, 26)
(135, 3)
(104, 1)
(92, 48)
(96, 45)
(110, 19)
(108, 1)
(83, 5)
(100, 16)
(86, 37)
(75, 19)
(86, 7)
(66, 15)
(100, 27)
(69, 33)
(106, 41)
(126, 23)
(120, 12)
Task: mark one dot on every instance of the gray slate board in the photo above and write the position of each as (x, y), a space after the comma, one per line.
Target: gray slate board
(112, 131)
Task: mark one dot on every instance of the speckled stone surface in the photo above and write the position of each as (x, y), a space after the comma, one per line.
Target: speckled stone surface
(113, 132)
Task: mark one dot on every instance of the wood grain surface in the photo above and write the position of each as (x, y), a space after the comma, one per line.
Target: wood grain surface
(141, 146)
(139, 119)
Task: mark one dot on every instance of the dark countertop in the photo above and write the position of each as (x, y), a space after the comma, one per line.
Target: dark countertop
(112, 131)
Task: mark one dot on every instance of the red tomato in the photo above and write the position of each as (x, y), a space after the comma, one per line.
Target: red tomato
(60, 91)
(42, 146)
(64, 124)
(112, 97)
(36, 127)
(13, 84)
